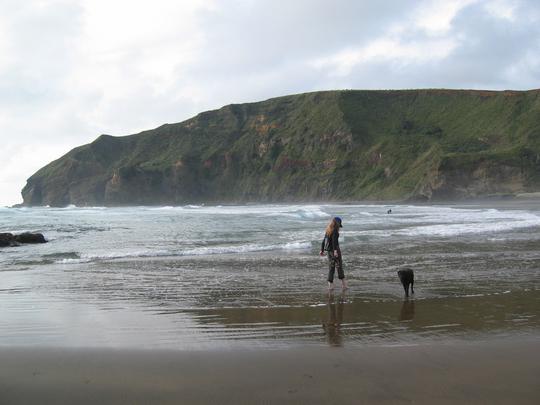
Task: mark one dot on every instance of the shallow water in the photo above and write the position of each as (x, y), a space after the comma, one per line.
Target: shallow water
(197, 276)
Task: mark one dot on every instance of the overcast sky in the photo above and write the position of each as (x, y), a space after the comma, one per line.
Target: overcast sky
(72, 70)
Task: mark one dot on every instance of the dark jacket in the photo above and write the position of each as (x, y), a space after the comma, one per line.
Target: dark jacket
(330, 243)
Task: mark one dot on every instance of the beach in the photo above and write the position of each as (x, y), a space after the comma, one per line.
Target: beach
(270, 202)
(486, 372)
(228, 304)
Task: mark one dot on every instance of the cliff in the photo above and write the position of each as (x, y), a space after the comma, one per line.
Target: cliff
(323, 146)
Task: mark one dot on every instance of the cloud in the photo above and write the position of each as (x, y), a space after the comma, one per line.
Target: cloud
(71, 70)
(467, 45)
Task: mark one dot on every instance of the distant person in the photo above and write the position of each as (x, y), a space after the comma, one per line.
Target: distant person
(330, 244)
(389, 211)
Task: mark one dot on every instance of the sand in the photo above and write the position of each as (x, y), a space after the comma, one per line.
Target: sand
(494, 372)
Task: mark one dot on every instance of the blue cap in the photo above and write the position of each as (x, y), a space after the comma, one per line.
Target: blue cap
(338, 219)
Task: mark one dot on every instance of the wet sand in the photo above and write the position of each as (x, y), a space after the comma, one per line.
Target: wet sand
(484, 372)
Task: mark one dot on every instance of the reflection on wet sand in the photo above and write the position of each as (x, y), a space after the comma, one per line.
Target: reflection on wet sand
(369, 321)
(332, 325)
(407, 310)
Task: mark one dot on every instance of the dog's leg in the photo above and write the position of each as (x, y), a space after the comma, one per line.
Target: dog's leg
(406, 288)
(412, 287)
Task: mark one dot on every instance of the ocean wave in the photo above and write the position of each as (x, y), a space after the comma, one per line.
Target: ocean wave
(303, 213)
(294, 211)
(164, 208)
(313, 214)
(446, 230)
(90, 257)
(72, 261)
(188, 207)
(12, 210)
(62, 255)
(81, 229)
(245, 249)
(71, 207)
(72, 257)
(442, 224)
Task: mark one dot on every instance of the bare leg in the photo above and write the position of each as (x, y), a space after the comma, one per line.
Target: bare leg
(344, 284)
(330, 285)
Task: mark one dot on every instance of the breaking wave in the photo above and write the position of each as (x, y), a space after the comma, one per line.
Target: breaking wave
(71, 257)
(449, 223)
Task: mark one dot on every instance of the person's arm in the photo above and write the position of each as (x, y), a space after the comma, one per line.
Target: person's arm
(322, 245)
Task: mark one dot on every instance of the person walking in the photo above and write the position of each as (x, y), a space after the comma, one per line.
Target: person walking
(330, 244)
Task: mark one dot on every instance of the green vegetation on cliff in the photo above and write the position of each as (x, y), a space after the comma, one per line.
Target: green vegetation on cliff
(325, 146)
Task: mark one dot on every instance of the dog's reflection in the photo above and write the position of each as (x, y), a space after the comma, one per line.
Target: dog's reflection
(332, 325)
(407, 310)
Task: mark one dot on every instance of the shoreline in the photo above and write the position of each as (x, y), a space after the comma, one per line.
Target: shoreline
(487, 199)
(498, 371)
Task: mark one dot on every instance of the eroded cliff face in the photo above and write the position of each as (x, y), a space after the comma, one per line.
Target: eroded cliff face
(327, 146)
(482, 180)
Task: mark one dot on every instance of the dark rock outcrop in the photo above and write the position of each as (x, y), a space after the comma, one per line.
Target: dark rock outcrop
(28, 237)
(8, 239)
(420, 145)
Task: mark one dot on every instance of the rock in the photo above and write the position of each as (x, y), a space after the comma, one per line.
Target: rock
(7, 239)
(28, 237)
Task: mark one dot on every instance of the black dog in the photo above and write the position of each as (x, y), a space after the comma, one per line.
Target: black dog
(406, 276)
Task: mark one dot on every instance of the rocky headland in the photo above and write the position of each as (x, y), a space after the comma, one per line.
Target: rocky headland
(419, 145)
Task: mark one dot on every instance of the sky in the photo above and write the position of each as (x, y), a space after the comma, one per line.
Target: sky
(71, 70)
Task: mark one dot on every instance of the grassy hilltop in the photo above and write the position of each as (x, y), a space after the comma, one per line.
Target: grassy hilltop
(323, 146)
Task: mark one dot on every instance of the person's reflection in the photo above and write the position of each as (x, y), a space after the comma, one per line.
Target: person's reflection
(332, 325)
(407, 310)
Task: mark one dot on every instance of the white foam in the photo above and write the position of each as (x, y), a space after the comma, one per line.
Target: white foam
(448, 222)
(302, 213)
(444, 325)
(73, 207)
(173, 207)
(291, 211)
(245, 248)
(312, 214)
(297, 245)
(89, 257)
(200, 251)
(294, 211)
(72, 261)
(481, 224)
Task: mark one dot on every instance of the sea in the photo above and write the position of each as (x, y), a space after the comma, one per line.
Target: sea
(199, 277)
